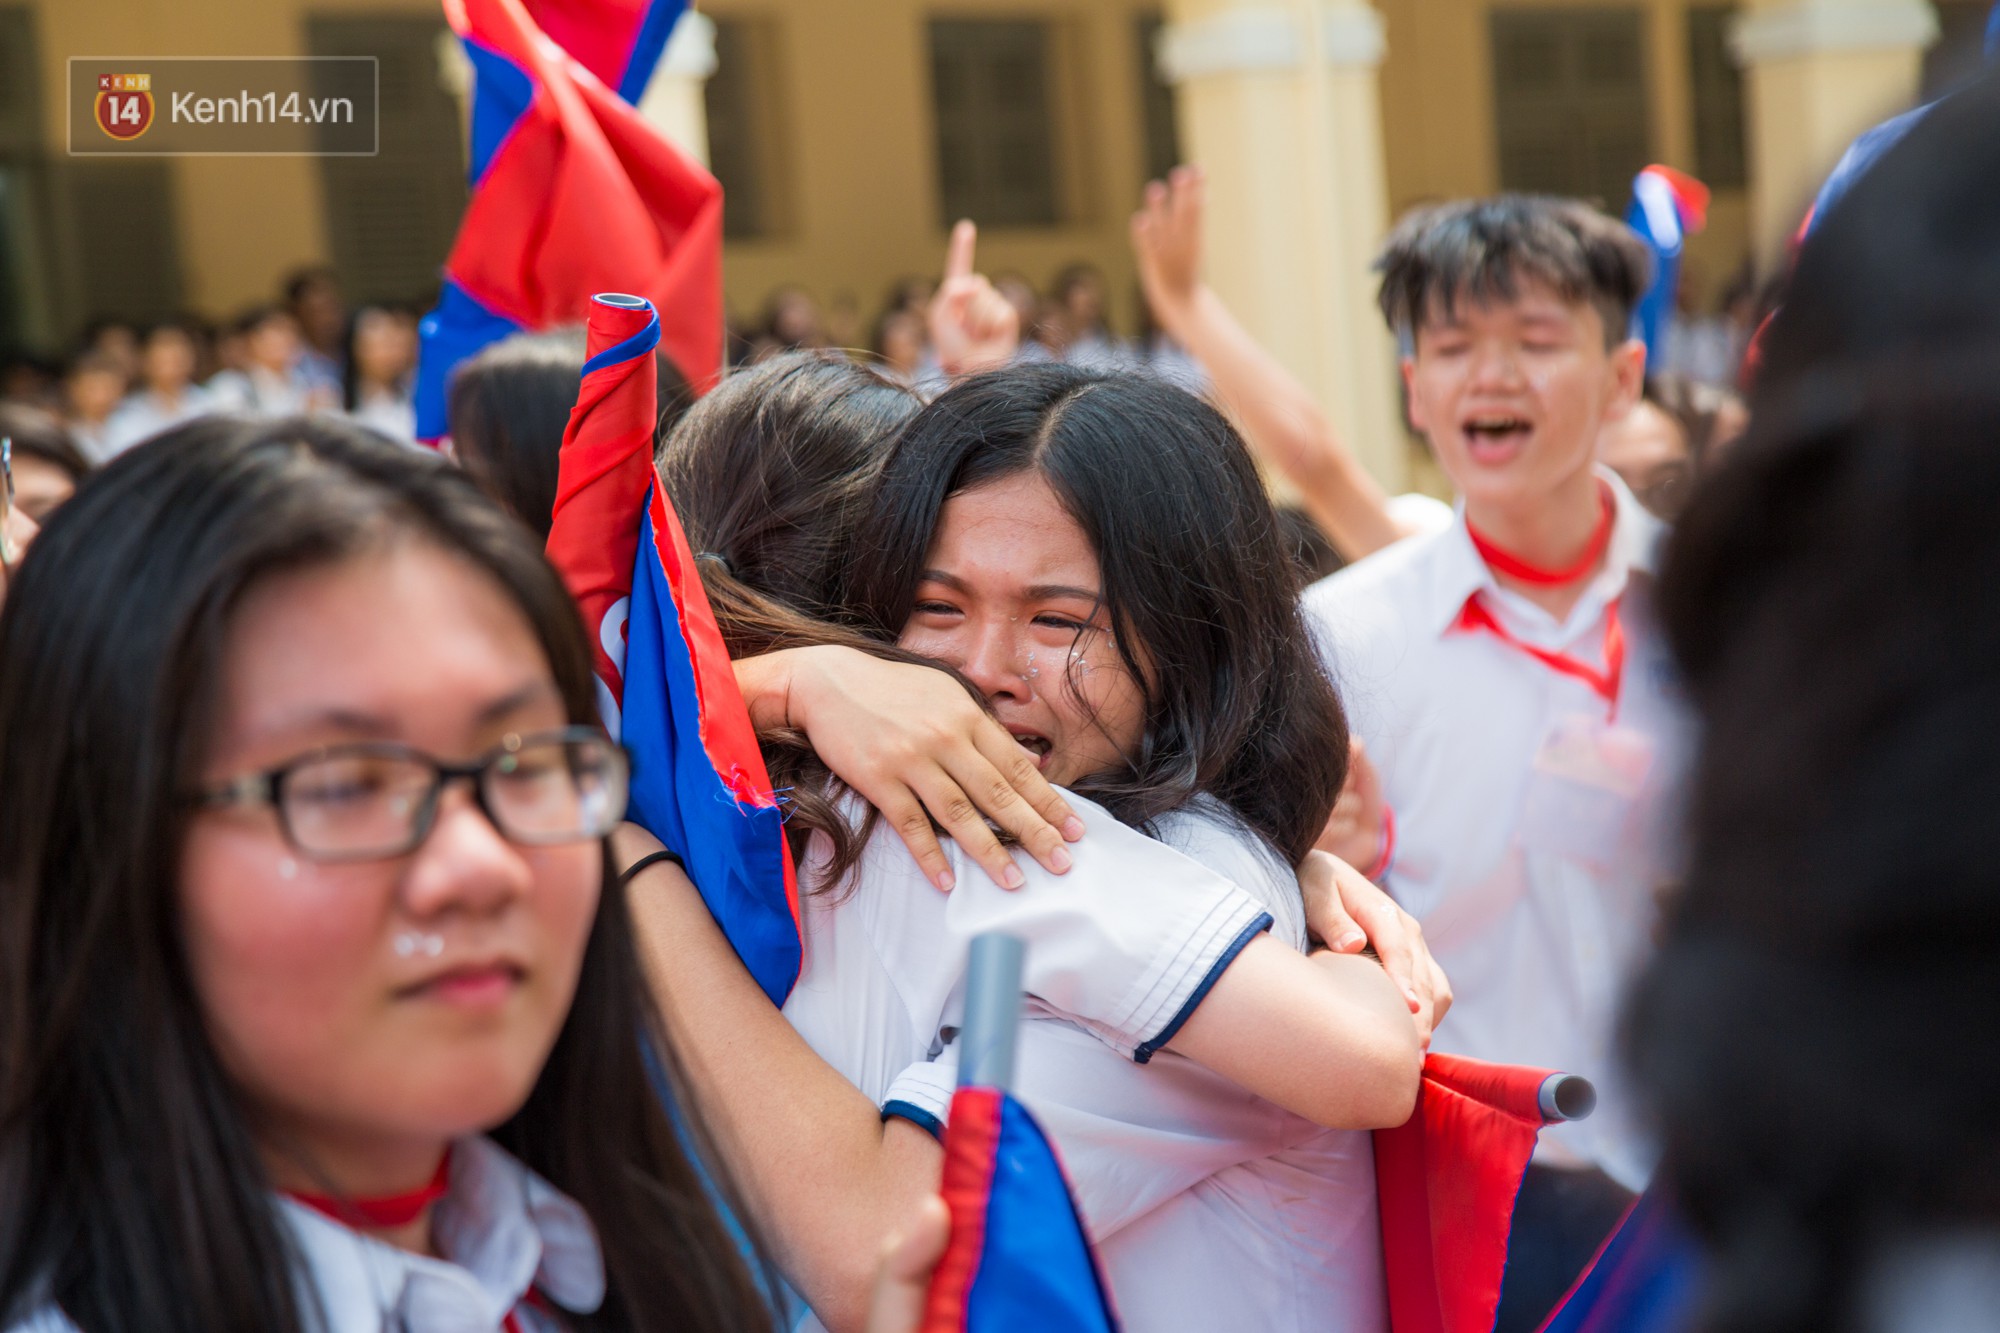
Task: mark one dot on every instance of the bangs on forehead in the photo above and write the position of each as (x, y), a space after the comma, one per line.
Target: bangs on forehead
(1485, 251)
(1497, 281)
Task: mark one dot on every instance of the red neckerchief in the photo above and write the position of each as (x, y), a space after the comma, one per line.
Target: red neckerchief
(1475, 617)
(383, 1212)
(1604, 683)
(1505, 562)
(388, 1211)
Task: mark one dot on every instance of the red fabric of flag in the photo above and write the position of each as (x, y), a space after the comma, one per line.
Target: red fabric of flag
(585, 196)
(1446, 1181)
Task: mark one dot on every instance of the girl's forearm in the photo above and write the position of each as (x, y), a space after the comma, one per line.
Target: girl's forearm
(827, 1179)
(1329, 1037)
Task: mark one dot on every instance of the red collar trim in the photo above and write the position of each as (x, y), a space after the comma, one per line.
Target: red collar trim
(383, 1212)
(1503, 562)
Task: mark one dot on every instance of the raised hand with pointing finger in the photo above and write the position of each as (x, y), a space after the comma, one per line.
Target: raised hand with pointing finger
(972, 326)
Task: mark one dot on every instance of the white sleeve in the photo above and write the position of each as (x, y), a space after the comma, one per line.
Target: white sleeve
(1129, 1138)
(1127, 943)
(229, 391)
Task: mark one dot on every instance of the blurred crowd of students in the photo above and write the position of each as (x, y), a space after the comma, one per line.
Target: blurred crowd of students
(311, 352)
(307, 352)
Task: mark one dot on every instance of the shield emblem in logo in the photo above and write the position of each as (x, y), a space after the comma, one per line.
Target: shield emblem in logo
(124, 105)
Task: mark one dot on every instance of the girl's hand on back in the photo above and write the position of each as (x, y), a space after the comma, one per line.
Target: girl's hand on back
(1347, 913)
(915, 746)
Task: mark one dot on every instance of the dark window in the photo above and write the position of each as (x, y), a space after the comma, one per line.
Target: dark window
(741, 135)
(1960, 52)
(1569, 88)
(121, 223)
(22, 192)
(991, 90)
(20, 81)
(1163, 141)
(1717, 85)
(390, 219)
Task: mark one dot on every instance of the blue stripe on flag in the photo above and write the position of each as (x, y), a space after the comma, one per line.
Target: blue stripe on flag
(1036, 1269)
(456, 329)
(645, 340)
(658, 26)
(732, 850)
(501, 95)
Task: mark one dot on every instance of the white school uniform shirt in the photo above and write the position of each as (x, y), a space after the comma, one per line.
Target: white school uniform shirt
(145, 414)
(263, 392)
(503, 1230)
(1209, 1207)
(1127, 942)
(1538, 894)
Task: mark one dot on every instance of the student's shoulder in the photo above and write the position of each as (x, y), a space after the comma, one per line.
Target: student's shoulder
(1383, 575)
(1210, 833)
(1371, 600)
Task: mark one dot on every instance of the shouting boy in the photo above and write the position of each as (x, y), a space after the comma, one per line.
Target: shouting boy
(1507, 679)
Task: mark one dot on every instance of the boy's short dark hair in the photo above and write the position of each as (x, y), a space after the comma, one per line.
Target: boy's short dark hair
(1481, 249)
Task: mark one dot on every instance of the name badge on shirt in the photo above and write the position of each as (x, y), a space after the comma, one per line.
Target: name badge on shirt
(1581, 790)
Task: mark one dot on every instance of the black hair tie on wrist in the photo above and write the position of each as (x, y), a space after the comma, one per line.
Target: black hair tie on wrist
(647, 861)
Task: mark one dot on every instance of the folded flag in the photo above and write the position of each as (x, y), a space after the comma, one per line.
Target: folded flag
(1668, 206)
(1446, 1181)
(665, 684)
(1018, 1256)
(573, 192)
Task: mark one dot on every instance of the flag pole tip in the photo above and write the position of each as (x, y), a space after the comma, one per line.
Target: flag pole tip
(1566, 1097)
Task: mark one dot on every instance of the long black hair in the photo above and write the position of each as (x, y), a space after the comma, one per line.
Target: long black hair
(770, 475)
(130, 1192)
(1237, 704)
(1815, 1034)
(772, 471)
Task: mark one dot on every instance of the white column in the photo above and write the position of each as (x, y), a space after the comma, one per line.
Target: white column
(673, 100)
(1278, 101)
(1817, 73)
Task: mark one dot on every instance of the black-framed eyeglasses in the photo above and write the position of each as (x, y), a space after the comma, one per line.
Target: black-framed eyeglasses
(6, 500)
(372, 800)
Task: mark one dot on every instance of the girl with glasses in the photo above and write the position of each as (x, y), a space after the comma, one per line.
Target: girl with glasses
(319, 1006)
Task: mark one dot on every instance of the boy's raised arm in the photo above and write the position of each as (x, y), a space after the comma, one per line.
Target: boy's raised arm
(1279, 417)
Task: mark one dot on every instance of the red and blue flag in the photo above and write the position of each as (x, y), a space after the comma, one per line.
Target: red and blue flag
(1446, 1181)
(573, 192)
(1668, 206)
(619, 41)
(665, 684)
(1646, 1279)
(1018, 1256)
